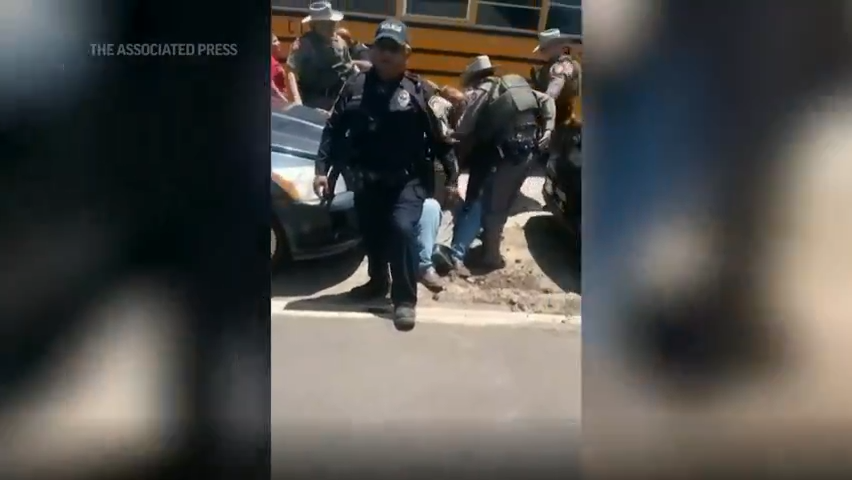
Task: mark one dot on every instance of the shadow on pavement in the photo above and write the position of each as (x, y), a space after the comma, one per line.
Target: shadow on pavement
(311, 276)
(339, 302)
(551, 249)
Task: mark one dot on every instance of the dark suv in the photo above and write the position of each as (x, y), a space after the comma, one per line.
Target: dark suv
(562, 191)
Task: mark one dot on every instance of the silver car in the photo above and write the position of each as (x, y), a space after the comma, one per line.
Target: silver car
(303, 225)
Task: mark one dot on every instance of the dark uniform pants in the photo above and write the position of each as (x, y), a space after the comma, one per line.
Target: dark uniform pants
(388, 216)
(562, 142)
(502, 192)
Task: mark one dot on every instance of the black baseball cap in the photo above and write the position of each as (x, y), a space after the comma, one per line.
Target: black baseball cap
(393, 29)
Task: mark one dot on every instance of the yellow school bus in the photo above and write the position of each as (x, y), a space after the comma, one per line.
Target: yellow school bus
(447, 34)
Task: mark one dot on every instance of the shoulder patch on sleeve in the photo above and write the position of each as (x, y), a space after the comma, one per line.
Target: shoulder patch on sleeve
(439, 106)
(561, 68)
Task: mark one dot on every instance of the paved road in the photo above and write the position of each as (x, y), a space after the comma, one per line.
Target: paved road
(355, 394)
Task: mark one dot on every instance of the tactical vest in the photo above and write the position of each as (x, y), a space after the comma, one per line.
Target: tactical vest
(511, 103)
(566, 98)
(325, 66)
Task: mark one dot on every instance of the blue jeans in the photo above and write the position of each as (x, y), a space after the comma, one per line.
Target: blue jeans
(430, 221)
(467, 221)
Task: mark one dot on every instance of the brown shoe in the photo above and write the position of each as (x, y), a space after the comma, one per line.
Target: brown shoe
(431, 280)
(460, 269)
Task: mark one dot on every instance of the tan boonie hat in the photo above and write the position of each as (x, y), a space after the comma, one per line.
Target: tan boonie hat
(551, 36)
(479, 64)
(322, 12)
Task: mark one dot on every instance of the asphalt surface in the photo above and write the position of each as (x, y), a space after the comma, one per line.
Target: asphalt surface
(356, 396)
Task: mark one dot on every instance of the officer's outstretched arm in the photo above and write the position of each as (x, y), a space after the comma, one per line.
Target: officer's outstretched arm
(554, 88)
(547, 107)
(333, 135)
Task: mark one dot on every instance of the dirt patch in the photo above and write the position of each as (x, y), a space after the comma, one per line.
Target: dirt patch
(540, 276)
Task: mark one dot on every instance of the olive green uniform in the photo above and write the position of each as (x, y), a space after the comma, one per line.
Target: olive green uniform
(321, 66)
(560, 79)
(499, 134)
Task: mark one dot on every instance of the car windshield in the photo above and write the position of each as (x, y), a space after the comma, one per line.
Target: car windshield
(296, 129)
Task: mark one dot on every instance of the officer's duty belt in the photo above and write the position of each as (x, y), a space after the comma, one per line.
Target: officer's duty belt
(400, 177)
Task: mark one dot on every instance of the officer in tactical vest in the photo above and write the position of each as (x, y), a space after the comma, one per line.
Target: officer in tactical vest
(504, 126)
(559, 77)
(382, 130)
(319, 58)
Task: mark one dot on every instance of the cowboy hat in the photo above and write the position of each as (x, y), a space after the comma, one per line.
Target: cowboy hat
(479, 64)
(322, 12)
(551, 37)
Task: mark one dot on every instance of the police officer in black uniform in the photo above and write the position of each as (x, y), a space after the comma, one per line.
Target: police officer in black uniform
(382, 130)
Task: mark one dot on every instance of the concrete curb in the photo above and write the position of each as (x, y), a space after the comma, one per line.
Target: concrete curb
(451, 316)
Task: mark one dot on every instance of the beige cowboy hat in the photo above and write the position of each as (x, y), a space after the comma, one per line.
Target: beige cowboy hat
(551, 37)
(322, 12)
(479, 64)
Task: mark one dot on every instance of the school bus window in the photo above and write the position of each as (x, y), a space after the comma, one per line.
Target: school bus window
(293, 3)
(567, 18)
(437, 8)
(516, 14)
(380, 7)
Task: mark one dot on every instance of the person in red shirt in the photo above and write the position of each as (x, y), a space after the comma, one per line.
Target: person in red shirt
(278, 77)
(282, 81)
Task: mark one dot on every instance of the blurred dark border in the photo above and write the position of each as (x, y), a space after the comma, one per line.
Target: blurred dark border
(170, 157)
(690, 133)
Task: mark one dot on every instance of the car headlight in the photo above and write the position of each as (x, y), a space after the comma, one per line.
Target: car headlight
(299, 185)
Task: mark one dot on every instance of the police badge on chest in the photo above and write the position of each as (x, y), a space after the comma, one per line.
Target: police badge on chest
(400, 101)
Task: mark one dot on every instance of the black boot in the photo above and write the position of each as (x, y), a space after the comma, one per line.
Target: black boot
(491, 259)
(372, 290)
(404, 317)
